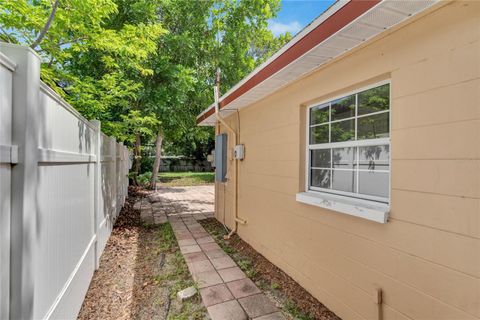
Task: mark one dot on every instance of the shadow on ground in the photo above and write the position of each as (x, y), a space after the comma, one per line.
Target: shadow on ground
(140, 272)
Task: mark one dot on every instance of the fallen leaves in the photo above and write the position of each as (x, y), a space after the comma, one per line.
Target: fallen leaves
(138, 273)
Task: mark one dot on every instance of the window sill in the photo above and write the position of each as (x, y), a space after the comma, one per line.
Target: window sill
(365, 209)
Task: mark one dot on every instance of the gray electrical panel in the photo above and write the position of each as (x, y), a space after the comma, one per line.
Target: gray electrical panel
(221, 157)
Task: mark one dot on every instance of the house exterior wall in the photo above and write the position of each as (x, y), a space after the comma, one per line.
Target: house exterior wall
(426, 259)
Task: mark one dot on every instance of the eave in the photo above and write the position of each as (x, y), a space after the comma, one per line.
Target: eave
(343, 27)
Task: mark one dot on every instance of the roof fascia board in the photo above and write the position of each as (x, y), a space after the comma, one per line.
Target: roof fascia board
(314, 24)
(356, 8)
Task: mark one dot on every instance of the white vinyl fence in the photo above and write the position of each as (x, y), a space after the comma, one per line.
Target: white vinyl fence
(62, 185)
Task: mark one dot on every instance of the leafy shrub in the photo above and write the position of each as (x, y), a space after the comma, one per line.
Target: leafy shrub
(144, 178)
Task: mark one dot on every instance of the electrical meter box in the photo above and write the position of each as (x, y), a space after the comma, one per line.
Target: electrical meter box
(221, 146)
(239, 151)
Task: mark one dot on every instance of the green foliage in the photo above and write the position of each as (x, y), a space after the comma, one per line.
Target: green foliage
(291, 308)
(275, 286)
(247, 266)
(93, 54)
(145, 66)
(144, 178)
(202, 36)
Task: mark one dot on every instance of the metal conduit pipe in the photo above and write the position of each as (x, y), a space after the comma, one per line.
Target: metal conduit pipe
(237, 220)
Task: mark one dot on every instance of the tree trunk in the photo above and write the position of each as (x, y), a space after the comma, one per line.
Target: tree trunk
(45, 28)
(137, 158)
(158, 155)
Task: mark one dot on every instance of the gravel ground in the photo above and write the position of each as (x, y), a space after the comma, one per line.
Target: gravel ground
(289, 295)
(141, 270)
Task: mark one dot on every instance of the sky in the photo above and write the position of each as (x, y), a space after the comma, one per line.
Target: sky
(294, 15)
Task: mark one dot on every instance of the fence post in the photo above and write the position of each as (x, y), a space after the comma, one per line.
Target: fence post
(113, 144)
(7, 159)
(125, 172)
(25, 119)
(97, 187)
(121, 172)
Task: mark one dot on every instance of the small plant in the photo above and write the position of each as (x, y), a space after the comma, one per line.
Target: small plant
(275, 286)
(229, 250)
(247, 266)
(167, 241)
(144, 178)
(291, 308)
(263, 285)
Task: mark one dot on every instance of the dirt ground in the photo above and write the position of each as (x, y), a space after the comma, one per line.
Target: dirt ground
(296, 301)
(141, 270)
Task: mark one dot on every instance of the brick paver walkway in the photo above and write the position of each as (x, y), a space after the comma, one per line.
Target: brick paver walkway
(196, 201)
(226, 291)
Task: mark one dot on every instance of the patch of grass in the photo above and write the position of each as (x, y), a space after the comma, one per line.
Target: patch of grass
(177, 277)
(167, 241)
(290, 307)
(275, 286)
(179, 179)
(189, 311)
(247, 266)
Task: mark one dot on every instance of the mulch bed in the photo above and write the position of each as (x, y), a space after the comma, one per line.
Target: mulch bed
(139, 271)
(274, 280)
(118, 285)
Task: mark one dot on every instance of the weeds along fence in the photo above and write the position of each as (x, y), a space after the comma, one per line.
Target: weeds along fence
(62, 185)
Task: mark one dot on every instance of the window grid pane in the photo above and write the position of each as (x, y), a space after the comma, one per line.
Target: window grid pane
(368, 166)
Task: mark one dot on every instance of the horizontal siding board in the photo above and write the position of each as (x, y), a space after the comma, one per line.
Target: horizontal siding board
(447, 177)
(454, 251)
(255, 152)
(315, 239)
(450, 213)
(273, 136)
(462, 251)
(437, 106)
(455, 141)
(287, 169)
(285, 185)
(320, 291)
(426, 74)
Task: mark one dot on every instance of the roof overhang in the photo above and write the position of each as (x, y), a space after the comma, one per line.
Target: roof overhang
(343, 27)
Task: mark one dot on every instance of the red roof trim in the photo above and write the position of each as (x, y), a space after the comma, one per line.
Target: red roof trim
(331, 25)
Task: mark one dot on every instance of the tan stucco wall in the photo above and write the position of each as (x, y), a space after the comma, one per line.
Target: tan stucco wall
(426, 259)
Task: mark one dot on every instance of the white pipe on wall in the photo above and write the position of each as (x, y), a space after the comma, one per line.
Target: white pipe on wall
(235, 135)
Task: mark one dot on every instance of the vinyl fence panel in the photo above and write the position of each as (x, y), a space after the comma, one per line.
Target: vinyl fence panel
(61, 198)
(7, 67)
(65, 210)
(107, 205)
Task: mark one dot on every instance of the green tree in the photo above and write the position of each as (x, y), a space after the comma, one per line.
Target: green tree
(90, 56)
(94, 53)
(144, 68)
(202, 36)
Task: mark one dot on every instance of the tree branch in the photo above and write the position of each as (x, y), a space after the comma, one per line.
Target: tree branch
(44, 30)
(67, 42)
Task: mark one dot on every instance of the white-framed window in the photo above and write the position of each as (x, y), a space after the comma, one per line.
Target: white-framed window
(348, 145)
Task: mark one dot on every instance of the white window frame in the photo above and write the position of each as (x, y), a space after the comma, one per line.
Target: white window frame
(351, 203)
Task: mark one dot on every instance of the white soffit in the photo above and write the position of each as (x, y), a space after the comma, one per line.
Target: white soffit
(381, 17)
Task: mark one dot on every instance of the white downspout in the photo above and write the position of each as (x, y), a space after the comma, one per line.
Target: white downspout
(216, 90)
